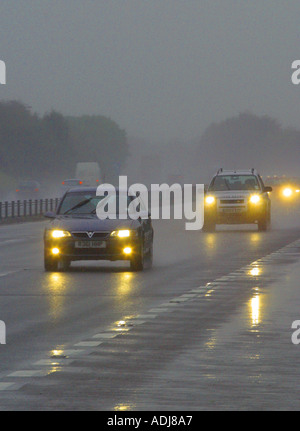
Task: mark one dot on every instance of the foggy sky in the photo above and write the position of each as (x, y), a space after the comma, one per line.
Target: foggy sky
(163, 69)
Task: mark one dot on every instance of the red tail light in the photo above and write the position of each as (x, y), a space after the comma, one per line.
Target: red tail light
(80, 182)
(17, 190)
(36, 190)
(63, 183)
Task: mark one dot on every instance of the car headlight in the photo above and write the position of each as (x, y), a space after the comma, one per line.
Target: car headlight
(210, 200)
(123, 233)
(59, 234)
(255, 199)
(287, 192)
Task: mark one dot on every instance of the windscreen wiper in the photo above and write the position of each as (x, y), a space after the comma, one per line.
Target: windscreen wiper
(226, 183)
(80, 204)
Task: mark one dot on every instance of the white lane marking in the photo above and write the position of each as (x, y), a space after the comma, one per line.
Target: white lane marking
(199, 290)
(29, 373)
(88, 344)
(4, 386)
(170, 304)
(105, 336)
(179, 299)
(136, 322)
(146, 316)
(72, 352)
(4, 274)
(159, 310)
(12, 241)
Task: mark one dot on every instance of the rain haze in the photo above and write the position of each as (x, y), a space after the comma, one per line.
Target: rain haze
(163, 70)
(142, 313)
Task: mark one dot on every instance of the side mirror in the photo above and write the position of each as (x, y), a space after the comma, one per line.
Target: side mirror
(49, 214)
(268, 189)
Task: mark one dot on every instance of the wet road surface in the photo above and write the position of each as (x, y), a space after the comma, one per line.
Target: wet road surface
(101, 337)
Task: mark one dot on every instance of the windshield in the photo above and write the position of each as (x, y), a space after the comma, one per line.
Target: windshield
(86, 203)
(234, 182)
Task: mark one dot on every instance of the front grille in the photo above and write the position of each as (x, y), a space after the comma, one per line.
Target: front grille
(232, 201)
(84, 235)
(89, 251)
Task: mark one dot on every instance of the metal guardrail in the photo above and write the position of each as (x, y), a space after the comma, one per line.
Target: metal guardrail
(27, 208)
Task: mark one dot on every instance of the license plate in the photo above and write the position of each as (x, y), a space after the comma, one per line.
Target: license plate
(90, 244)
(232, 210)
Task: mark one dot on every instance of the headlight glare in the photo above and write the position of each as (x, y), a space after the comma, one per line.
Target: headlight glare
(123, 233)
(255, 199)
(210, 200)
(60, 234)
(287, 192)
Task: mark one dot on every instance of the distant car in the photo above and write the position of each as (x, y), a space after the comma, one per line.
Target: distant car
(68, 184)
(237, 197)
(76, 233)
(28, 189)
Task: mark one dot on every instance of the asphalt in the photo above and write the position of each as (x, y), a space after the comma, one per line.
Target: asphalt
(102, 338)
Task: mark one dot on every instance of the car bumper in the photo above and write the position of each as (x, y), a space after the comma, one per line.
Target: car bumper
(236, 215)
(113, 249)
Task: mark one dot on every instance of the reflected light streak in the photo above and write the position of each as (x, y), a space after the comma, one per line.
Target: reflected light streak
(55, 353)
(255, 308)
(56, 287)
(125, 283)
(124, 407)
(255, 272)
(255, 237)
(210, 240)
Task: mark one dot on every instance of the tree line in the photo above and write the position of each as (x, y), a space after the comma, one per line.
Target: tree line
(49, 146)
(248, 140)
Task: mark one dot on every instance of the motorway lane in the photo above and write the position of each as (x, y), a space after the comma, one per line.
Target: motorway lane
(45, 312)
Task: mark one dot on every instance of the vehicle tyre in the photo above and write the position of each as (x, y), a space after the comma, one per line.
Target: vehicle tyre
(63, 264)
(263, 223)
(137, 262)
(50, 264)
(150, 257)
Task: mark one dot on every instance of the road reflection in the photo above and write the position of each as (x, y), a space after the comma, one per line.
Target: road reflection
(255, 238)
(255, 272)
(56, 286)
(124, 407)
(255, 310)
(125, 283)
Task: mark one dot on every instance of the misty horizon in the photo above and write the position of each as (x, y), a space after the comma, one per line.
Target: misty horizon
(162, 70)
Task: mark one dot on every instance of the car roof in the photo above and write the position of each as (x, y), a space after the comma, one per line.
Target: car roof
(237, 172)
